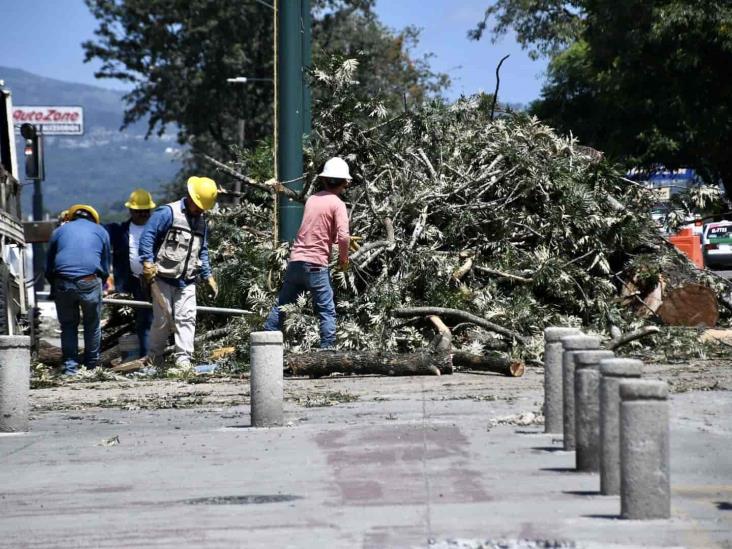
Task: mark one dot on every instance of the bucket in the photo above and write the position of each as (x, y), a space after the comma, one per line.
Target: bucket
(129, 347)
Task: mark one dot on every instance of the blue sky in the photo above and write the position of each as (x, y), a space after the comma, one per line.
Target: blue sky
(44, 37)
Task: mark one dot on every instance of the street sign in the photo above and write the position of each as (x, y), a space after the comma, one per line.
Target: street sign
(50, 120)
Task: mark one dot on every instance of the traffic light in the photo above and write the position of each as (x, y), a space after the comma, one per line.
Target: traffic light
(33, 152)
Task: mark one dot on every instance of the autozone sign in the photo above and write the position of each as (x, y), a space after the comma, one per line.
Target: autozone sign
(50, 120)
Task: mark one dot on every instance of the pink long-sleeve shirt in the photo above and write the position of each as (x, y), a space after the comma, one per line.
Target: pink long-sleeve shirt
(325, 222)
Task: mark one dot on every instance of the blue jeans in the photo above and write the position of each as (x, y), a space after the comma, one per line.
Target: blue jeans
(143, 317)
(299, 277)
(72, 296)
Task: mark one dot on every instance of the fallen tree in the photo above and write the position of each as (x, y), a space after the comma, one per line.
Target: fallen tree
(499, 224)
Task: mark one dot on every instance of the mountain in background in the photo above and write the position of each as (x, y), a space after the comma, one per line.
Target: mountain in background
(105, 164)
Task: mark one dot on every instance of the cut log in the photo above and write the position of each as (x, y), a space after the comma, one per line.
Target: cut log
(131, 366)
(50, 355)
(323, 363)
(689, 305)
(492, 362)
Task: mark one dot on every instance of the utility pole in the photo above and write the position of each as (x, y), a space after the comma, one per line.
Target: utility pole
(293, 38)
(307, 61)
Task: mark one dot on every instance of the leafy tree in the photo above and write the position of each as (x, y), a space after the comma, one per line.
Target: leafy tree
(545, 27)
(179, 53)
(642, 80)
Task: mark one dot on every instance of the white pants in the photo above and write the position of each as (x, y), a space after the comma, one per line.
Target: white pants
(182, 303)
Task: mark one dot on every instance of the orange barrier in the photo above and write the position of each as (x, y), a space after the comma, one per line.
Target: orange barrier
(689, 244)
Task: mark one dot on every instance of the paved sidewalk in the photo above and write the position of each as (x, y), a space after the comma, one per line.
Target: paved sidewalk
(400, 468)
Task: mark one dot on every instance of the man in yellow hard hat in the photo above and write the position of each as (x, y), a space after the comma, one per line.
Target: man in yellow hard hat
(174, 251)
(126, 263)
(76, 264)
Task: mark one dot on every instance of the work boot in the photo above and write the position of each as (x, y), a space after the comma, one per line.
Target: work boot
(183, 363)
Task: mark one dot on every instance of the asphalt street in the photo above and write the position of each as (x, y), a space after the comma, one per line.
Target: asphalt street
(399, 467)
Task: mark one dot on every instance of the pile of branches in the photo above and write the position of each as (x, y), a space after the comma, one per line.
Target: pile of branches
(499, 227)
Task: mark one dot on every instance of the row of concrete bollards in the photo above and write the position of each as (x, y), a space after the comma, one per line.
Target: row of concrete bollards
(266, 381)
(616, 423)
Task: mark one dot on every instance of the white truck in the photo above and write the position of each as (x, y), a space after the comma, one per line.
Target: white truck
(13, 291)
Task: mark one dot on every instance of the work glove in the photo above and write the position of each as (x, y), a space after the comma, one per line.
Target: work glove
(211, 281)
(344, 266)
(149, 271)
(354, 244)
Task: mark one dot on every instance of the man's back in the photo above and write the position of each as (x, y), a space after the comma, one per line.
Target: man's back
(324, 222)
(79, 248)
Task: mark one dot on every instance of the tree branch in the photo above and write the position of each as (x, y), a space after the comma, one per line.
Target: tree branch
(390, 241)
(632, 336)
(463, 315)
(498, 83)
(271, 189)
(515, 278)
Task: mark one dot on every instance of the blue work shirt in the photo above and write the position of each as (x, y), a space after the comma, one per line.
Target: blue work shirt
(76, 249)
(154, 234)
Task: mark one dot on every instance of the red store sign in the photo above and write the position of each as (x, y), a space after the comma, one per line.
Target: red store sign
(50, 120)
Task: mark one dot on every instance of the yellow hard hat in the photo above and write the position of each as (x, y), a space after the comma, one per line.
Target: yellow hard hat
(63, 216)
(202, 191)
(76, 207)
(140, 199)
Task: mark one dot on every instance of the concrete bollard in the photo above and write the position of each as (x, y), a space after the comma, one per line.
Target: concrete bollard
(553, 377)
(571, 345)
(587, 409)
(612, 372)
(645, 487)
(14, 383)
(266, 379)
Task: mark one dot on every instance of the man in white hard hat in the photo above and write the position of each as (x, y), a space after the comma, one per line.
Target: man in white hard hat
(125, 240)
(324, 222)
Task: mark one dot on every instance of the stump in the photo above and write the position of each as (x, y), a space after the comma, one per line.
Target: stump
(689, 305)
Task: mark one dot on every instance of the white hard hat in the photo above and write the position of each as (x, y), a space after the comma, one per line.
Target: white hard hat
(336, 168)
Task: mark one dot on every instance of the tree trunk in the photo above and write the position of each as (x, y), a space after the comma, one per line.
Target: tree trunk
(323, 363)
(493, 362)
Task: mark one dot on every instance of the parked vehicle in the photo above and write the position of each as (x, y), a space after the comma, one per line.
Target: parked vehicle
(13, 292)
(717, 245)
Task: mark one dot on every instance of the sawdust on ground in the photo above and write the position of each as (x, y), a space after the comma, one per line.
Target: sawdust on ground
(217, 392)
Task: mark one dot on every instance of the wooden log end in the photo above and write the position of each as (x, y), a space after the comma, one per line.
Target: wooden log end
(516, 369)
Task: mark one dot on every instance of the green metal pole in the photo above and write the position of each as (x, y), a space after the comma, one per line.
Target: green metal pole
(289, 114)
(307, 61)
